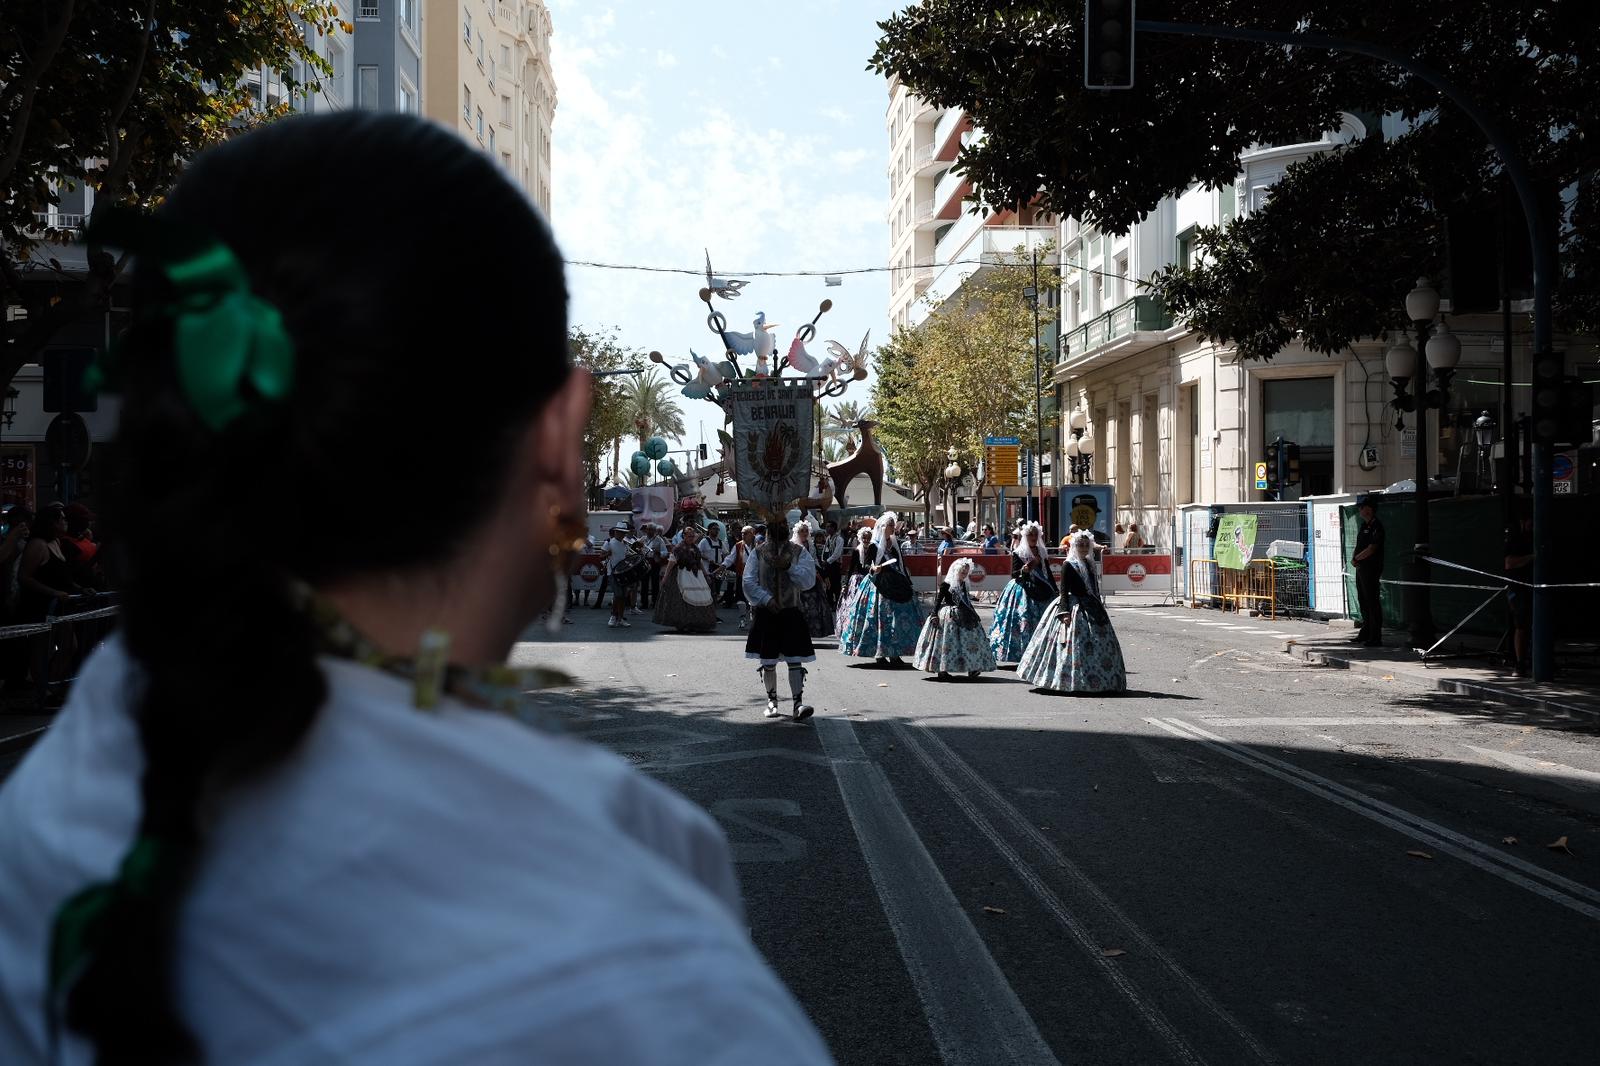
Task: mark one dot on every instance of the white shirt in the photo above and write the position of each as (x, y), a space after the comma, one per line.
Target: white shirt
(616, 551)
(408, 888)
(803, 572)
(655, 549)
(833, 549)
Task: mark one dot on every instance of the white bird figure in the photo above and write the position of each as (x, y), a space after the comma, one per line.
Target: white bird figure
(727, 288)
(800, 359)
(728, 371)
(848, 363)
(759, 343)
(708, 377)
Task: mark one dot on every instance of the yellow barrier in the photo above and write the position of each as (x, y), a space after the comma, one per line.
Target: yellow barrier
(1253, 588)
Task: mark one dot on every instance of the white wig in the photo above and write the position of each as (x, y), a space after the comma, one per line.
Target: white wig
(864, 535)
(1080, 539)
(957, 574)
(883, 523)
(794, 534)
(1023, 550)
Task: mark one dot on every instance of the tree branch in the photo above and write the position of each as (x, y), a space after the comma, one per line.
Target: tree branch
(118, 159)
(29, 83)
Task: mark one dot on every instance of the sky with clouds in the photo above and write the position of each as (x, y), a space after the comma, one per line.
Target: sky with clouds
(750, 128)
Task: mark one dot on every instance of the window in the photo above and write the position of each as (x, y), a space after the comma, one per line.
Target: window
(505, 161)
(368, 10)
(505, 56)
(367, 88)
(1096, 291)
(1121, 284)
(480, 51)
(480, 123)
(334, 88)
(1074, 306)
(505, 110)
(1301, 410)
(1185, 257)
(408, 99)
(466, 27)
(1150, 451)
(466, 103)
(491, 72)
(491, 140)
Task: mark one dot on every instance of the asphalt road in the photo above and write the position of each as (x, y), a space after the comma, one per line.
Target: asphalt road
(1246, 859)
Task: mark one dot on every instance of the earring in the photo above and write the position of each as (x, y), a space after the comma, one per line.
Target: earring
(567, 539)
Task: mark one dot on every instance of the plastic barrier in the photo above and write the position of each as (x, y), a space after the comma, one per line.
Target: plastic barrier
(1136, 572)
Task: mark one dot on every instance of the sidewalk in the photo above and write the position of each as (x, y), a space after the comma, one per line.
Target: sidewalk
(19, 731)
(1576, 692)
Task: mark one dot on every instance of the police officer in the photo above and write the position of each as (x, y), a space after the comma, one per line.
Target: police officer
(1368, 561)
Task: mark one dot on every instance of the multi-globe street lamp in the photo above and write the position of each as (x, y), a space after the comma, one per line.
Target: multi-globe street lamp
(1442, 351)
(952, 484)
(1080, 448)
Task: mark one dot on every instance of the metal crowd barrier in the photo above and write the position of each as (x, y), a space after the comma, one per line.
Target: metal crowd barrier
(87, 629)
(1253, 588)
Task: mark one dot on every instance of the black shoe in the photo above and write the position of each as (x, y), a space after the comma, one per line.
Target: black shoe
(1373, 643)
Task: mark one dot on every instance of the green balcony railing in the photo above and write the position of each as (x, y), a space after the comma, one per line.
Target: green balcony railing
(1140, 314)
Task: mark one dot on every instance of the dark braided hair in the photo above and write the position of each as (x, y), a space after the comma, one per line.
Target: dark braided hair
(422, 354)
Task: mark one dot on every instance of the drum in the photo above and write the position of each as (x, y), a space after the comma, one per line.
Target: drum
(631, 570)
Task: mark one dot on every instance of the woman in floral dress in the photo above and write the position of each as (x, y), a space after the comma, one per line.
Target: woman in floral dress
(953, 639)
(1075, 649)
(852, 568)
(1023, 600)
(879, 626)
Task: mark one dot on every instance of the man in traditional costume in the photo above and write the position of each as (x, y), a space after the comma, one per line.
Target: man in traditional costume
(775, 575)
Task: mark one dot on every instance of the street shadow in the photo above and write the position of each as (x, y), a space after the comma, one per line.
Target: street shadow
(1126, 694)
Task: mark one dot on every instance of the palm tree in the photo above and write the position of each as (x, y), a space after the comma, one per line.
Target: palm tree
(655, 411)
(846, 414)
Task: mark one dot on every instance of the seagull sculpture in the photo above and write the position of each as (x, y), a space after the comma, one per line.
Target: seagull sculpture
(709, 377)
(759, 343)
(727, 288)
(849, 364)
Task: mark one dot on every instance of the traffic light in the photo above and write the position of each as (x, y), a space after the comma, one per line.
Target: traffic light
(1274, 478)
(1547, 367)
(1108, 44)
(1291, 463)
(1575, 419)
(702, 452)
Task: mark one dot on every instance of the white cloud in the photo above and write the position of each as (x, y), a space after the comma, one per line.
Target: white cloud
(837, 115)
(665, 60)
(848, 158)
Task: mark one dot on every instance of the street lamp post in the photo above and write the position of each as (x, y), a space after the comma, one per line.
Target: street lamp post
(952, 485)
(1032, 293)
(1483, 436)
(1080, 448)
(1442, 352)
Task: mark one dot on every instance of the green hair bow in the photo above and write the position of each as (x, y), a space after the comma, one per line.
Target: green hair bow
(224, 335)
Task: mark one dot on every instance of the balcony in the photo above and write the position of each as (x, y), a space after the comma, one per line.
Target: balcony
(923, 164)
(949, 195)
(45, 221)
(923, 216)
(1143, 318)
(947, 134)
(969, 249)
(922, 273)
(925, 112)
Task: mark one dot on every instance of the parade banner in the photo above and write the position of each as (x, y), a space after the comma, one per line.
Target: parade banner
(772, 429)
(1236, 541)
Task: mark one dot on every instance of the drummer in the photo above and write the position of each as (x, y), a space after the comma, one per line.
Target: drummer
(618, 551)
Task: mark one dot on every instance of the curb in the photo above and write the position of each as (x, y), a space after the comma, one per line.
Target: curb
(1441, 684)
(21, 741)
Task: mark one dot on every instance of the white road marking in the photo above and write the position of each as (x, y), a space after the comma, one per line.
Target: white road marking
(973, 1012)
(1225, 625)
(676, 762)
(1557, 889)
(921, 738)
(1418, 719)
(1568, 777)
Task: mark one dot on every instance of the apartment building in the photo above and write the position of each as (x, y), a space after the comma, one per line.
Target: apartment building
(1177, 419)
(489, 78)
(937, 241)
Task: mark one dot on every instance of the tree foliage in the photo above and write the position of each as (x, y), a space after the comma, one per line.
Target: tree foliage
(967, 372)
(116, 96)
(1345, 235)
(651, 405)
(610, 415)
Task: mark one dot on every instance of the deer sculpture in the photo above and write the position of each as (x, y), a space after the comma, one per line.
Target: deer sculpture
(866, 459)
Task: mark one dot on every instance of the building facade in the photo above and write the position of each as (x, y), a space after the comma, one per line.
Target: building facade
(1176, 419)
(489, 78)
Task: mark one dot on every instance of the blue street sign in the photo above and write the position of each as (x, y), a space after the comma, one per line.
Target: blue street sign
(1001, 442)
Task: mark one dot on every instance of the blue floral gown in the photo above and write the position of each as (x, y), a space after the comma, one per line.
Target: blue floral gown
(1016, 616)
(877, 627)
(1075, 649)
(953, 640)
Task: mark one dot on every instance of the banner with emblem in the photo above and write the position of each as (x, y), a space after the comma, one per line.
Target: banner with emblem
(773, 423)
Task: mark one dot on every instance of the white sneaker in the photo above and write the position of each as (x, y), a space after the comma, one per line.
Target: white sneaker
(611, 623)
(624, 623)
(772, 708)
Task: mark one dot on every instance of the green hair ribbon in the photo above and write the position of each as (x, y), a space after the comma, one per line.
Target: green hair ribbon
(224, 335)
(80, 921)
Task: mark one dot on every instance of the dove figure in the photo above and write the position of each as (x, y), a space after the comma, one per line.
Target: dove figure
(759, 343)
(727, 288)
(800, 359)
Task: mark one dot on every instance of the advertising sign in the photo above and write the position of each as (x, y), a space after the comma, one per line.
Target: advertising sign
(772, 430)
(1092, 507)
(1261, 476)
(1236, 541)
(18, 476)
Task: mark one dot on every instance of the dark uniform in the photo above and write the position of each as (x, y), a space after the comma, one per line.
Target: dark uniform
(1369, 572)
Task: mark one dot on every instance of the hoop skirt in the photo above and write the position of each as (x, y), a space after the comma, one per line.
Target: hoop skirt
(947, 645)
(1016, 619)
(1073, 652)
(879, 628)
(847, 600)
(819, 615)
